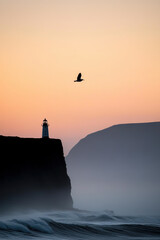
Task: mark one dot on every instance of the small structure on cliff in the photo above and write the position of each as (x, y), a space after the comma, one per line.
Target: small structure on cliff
(45, 132)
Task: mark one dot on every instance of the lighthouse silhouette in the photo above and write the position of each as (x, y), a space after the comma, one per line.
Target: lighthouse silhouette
(45, 132)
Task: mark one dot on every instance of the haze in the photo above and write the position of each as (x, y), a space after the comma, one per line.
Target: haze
(45, 44)
(118, 168)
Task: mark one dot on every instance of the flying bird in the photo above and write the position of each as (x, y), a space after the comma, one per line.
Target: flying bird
(79, 79)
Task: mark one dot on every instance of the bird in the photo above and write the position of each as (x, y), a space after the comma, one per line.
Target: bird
(79, 79)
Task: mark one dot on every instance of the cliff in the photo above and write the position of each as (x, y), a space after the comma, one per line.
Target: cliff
(118, 168)
(33, 175)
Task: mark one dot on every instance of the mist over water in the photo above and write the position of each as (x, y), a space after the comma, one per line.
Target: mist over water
(122, 201)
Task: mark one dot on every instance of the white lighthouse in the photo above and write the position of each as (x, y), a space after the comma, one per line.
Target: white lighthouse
(45, 132)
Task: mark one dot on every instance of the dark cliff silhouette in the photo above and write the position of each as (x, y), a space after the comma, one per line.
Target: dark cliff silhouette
(118, 168)
(33, 175)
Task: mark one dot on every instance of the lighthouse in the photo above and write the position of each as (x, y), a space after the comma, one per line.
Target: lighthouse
(45, 132)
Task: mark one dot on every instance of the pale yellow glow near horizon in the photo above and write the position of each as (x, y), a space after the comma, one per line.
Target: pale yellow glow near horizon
(46, 43)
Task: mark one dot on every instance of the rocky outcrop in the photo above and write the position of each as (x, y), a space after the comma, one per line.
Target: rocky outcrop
(33, 175)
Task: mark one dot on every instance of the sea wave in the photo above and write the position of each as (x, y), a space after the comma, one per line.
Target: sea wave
(78, 225)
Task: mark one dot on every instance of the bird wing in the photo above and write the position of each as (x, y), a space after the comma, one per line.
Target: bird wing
(79, 76)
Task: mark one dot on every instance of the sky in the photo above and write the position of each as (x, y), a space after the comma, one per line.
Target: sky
(46, 43)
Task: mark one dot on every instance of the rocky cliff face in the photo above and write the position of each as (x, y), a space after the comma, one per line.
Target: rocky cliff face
(118, 168)
(33, 175)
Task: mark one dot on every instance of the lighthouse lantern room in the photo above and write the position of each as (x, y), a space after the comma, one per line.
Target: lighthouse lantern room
(45, 132)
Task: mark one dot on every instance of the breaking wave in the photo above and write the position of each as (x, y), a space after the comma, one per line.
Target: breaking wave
(79, 225)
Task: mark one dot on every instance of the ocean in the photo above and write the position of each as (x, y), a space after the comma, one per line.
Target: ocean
(76, 225)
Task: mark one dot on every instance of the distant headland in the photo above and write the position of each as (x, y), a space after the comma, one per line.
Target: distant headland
(118, 168)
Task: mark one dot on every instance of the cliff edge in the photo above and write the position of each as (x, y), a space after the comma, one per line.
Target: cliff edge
(33, 175)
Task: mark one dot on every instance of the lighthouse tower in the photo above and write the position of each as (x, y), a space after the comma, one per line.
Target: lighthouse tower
(45, 132)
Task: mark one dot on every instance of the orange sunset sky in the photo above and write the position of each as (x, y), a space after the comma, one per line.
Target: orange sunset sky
(44, 44)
